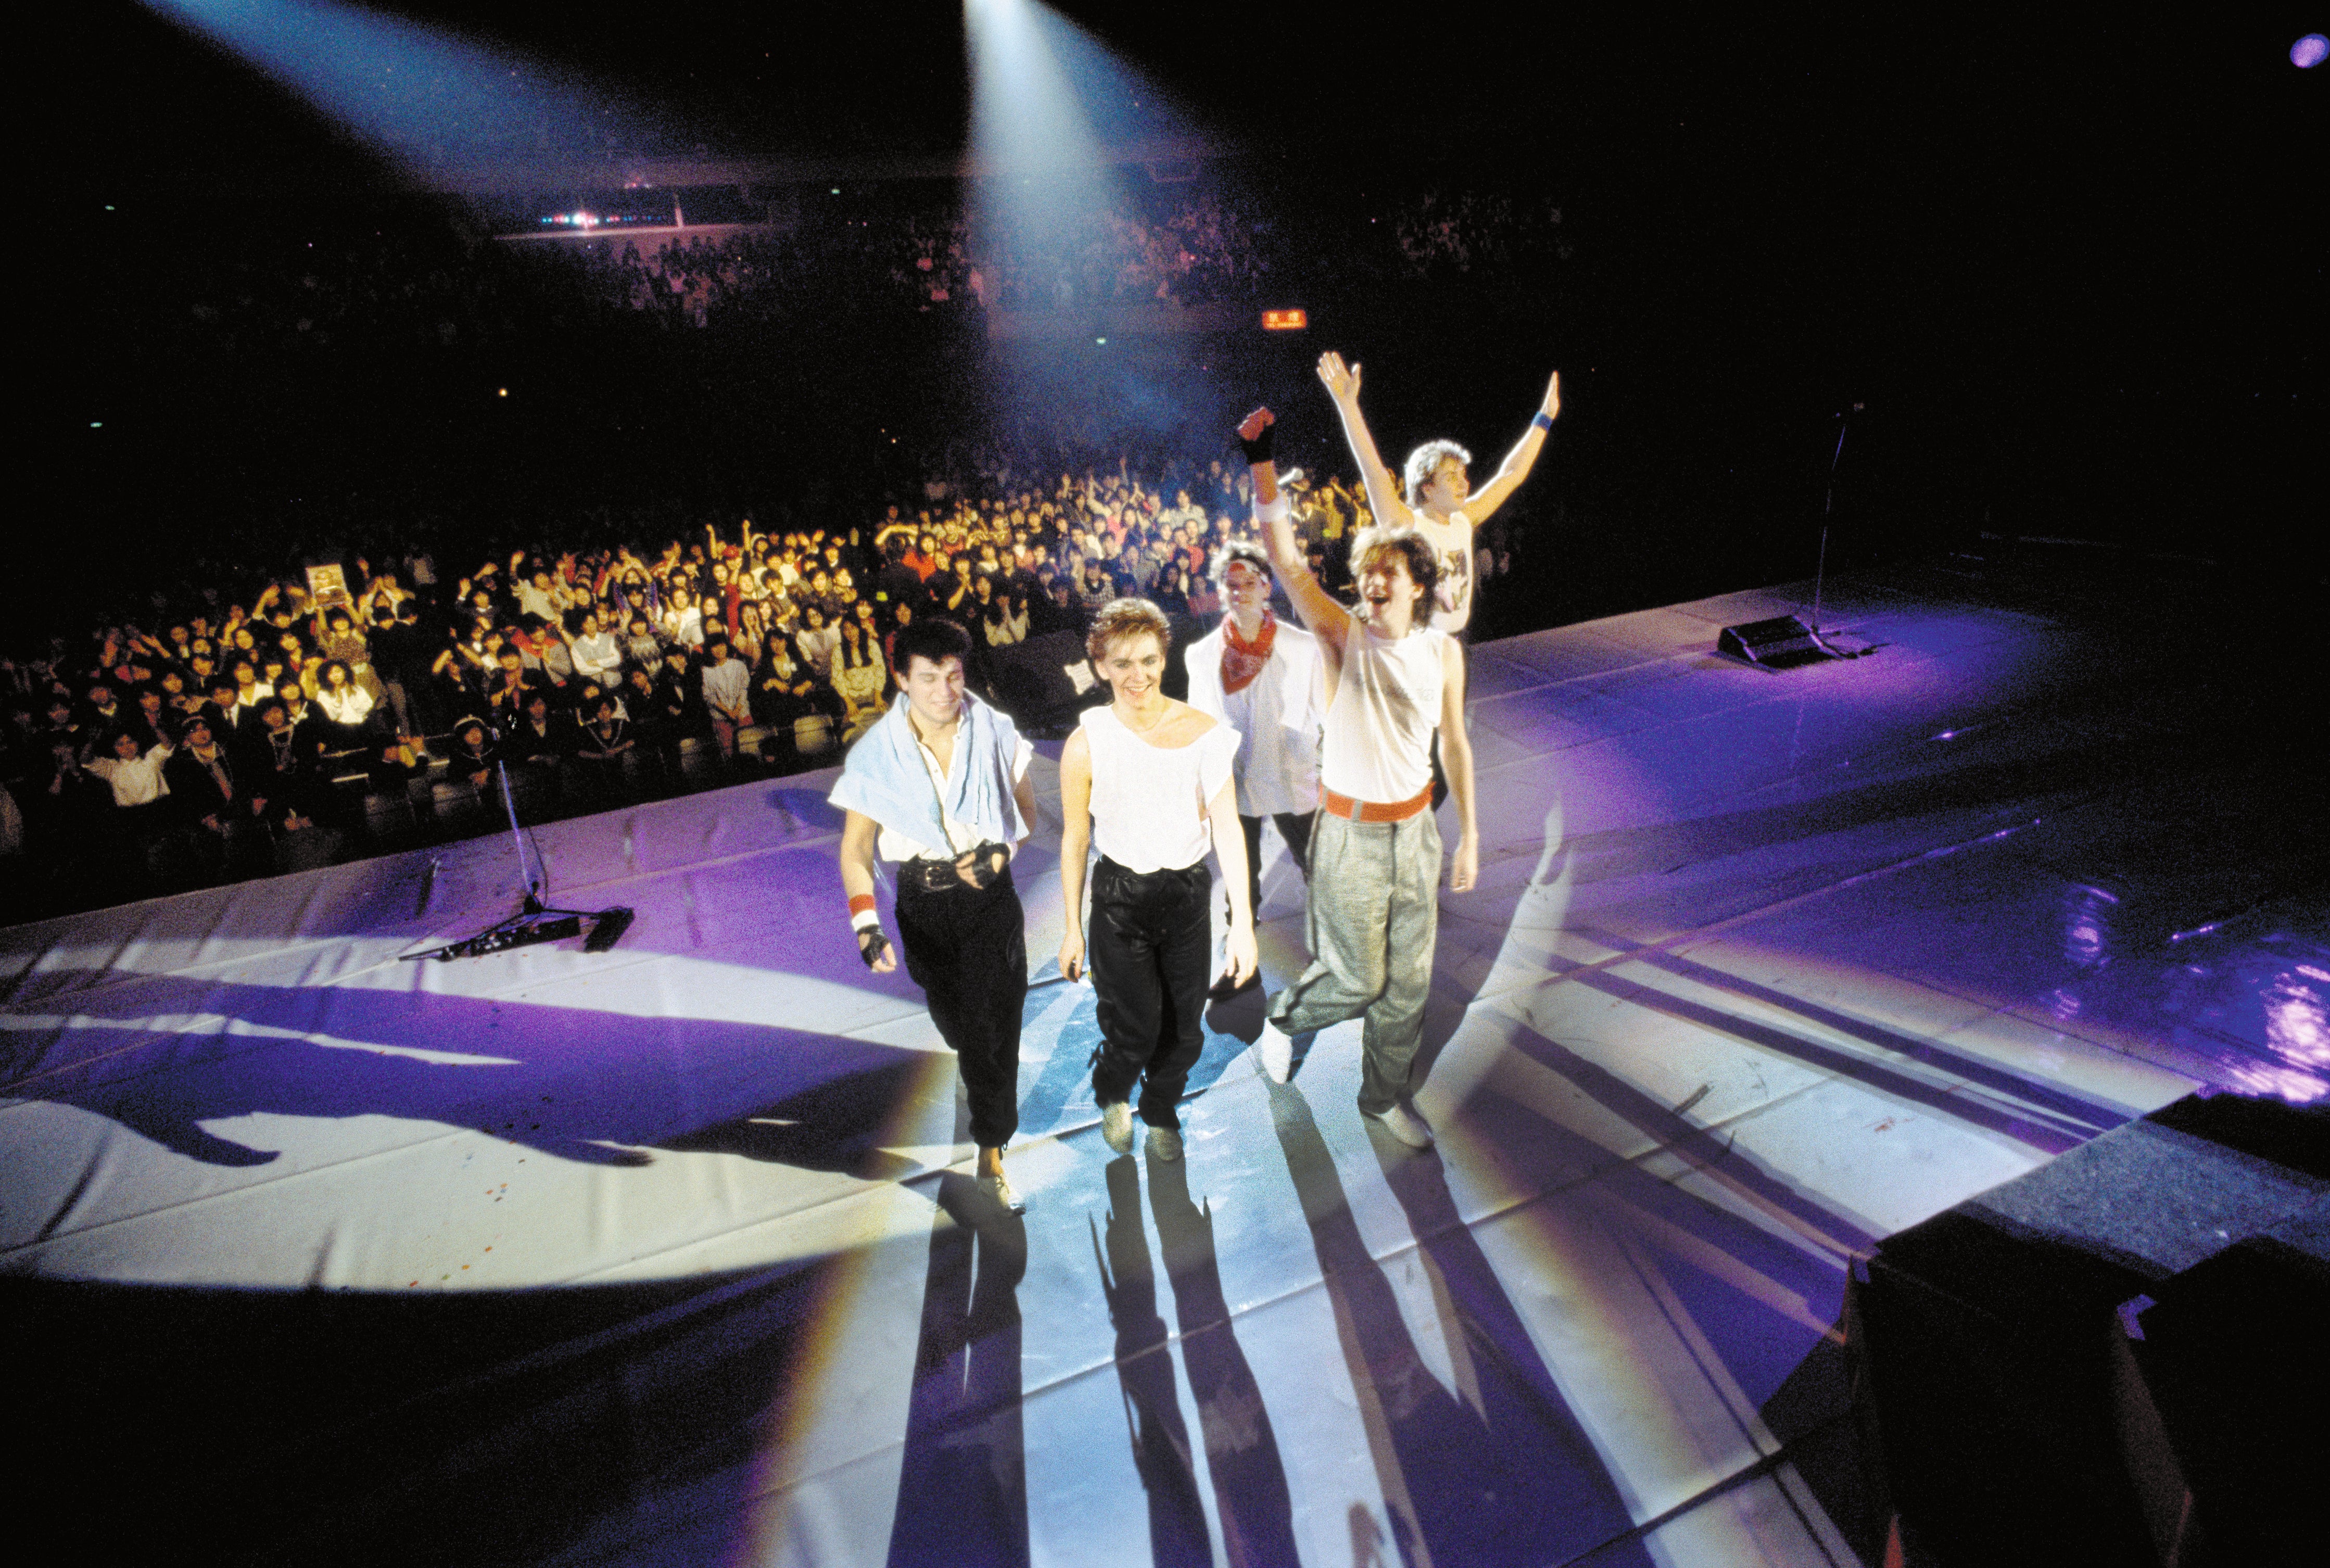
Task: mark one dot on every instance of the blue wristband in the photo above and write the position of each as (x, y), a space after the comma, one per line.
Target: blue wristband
(1543, 421)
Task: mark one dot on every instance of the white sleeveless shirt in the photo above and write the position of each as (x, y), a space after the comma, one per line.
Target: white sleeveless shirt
(1379, 725)
(1148, 803)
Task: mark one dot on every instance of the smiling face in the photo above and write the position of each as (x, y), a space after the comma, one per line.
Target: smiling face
(1392, 599)
(1134, 668)
(934, 690)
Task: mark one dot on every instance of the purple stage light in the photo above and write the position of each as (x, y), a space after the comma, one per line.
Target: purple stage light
(2309, 51)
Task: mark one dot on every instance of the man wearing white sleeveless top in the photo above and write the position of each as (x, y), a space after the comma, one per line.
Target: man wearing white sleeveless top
(1375, 853)
(1261, 677)
(1149, 780)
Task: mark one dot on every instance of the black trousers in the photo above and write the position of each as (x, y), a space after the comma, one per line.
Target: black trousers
(968, 950)
(1294, 827)
(1151, 952)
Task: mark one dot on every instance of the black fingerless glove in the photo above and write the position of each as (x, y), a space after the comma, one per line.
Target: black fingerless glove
(1260, 449)
(988, 863)
(872, 946)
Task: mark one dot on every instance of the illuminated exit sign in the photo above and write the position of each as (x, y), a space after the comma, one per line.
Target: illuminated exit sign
(1285, 320)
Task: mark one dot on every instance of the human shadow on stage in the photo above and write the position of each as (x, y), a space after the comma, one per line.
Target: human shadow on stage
(1514, 1480)
(583, 1085)
(1243, 1463)
(963, 1483)
(1161, 1451)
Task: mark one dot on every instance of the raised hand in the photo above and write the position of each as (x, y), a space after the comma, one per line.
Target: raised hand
(1552, 404)
(1256, 434)
(1342, 380)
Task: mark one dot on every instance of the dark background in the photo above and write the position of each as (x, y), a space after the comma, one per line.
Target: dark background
(2072, 269)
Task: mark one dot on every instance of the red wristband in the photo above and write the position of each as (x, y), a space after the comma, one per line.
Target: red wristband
(860, 904)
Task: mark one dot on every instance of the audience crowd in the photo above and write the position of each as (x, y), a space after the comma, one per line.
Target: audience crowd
(1192, 252)
(250, 729)
(228, 726)
(397, 284)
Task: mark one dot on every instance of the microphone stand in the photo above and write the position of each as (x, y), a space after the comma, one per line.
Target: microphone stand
(1828, 510)
(535, 920)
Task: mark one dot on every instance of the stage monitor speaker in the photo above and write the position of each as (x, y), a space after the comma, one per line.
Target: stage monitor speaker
(1044, 679)
(1779, 643)
(1993, 1344)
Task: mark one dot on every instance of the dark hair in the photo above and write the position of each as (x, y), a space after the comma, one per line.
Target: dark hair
(1422, 564)
(936, 639)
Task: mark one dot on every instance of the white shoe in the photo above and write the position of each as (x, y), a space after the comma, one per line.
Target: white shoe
(1116, 1126)
(998, 1187)
(1275, 1049)
(1164, 1143)
(1404, 1124)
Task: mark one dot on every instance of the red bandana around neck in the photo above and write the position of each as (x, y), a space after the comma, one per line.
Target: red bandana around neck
(1243, 660)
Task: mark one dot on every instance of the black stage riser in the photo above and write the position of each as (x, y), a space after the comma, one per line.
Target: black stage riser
(2118, 1358)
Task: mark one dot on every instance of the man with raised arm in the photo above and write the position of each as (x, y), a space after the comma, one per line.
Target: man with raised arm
(940, 785)
(1391, 681)
(1439, 501)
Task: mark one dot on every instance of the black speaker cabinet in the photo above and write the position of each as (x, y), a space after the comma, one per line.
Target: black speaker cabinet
(2118, 1358)
(1779, 643)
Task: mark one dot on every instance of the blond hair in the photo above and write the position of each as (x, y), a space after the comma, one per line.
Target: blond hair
(1121, 618)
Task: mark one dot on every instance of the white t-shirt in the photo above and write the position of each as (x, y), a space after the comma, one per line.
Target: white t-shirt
(1452, 542)
(1148, 802)
(1379, 725)
(138, 782)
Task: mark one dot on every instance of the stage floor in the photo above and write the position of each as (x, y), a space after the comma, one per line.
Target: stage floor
(670, 1255)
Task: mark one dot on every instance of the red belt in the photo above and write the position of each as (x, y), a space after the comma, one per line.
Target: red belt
(1353, 810)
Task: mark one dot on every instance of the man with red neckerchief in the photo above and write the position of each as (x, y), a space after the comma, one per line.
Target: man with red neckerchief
(1261, 677)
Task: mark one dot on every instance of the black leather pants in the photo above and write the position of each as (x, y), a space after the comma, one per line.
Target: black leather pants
(1150, 950)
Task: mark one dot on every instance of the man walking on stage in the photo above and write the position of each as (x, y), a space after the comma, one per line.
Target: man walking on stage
(940, 785)
(1261, 678)
(1374, 852)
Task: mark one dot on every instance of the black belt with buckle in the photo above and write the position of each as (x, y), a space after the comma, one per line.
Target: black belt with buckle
(936, 875)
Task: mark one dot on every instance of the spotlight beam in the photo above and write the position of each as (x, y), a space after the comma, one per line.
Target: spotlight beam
(418, 96)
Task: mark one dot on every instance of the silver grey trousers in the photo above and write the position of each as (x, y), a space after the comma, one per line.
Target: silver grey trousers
(1374, 916)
